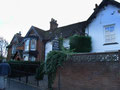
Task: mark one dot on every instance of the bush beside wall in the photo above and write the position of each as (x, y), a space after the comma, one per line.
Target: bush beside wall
(80, 43)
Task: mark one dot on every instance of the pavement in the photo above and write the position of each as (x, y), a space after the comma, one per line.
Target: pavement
(15, 85)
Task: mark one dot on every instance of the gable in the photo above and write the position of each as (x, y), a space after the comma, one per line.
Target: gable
(108, 15)
(33, 31)
(99, 8)
(14, 40)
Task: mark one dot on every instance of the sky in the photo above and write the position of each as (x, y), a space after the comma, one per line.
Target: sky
(20, 15)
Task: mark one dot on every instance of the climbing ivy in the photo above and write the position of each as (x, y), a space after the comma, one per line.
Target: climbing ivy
(60, 43)
(55, 59)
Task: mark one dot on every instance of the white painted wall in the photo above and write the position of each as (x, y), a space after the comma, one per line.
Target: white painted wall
(96, 29)
(66, 43)
(48, 46)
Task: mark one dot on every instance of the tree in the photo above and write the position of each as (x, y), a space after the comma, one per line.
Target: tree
(3, 45)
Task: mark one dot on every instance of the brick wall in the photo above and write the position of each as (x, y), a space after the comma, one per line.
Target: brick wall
(40, 48)
(89, 76)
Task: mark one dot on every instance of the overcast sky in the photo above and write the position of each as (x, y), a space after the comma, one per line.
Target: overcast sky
(20, 15)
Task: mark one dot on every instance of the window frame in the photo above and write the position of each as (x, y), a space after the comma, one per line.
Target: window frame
(26, 55)
(31, 44)
(27, 45)
(13, 49)
(109, 35)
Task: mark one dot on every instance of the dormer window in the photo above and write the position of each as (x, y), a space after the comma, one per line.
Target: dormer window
(27, 45)
(33, 44)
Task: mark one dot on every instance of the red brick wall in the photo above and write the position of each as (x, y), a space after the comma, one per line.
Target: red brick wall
(41, 50)
(89, 76)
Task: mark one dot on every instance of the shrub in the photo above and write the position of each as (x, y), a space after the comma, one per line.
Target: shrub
(80, 43)
(40, 72)
(55, 59)
(20, 68)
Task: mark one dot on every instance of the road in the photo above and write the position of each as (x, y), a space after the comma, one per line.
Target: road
(14, 85)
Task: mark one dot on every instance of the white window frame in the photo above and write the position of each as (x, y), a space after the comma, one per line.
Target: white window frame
(13, 49)
(109, 35)
(27, 45)
(33, 46)
(32, 58)
(26, 57)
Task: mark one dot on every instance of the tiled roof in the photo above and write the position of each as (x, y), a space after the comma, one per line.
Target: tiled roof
(20, 39)
(65, 31)
(39, 31)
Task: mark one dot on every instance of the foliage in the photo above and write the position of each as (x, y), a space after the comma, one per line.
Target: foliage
(55, 59)
(40, 72)
(60, 43)
(3, 45)
(80, 43)
(23, 66)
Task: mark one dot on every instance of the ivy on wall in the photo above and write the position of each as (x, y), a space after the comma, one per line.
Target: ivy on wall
(80, 43)
(55, 59)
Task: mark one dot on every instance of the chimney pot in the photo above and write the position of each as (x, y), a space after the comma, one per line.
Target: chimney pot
(53, 24)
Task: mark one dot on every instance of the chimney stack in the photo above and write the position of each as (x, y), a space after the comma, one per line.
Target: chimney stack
(53, 24)
(96, 6)
(18, 34)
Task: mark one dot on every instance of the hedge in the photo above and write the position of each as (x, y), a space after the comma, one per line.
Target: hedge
(21, 68)
(80, 43)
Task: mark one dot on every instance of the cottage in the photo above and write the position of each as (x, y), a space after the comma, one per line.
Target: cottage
(103, 27)
(15, 48)
(37, 43)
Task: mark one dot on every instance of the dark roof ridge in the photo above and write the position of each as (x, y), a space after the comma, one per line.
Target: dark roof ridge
(72, 24)
(37, 28)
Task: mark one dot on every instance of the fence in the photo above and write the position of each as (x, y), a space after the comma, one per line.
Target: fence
(26, 77)
(93, 57)
(24, 72)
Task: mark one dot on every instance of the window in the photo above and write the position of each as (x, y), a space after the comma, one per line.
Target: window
(27, 45)
(109, 33)
(32, 58)
(33, 44)
(13, 49)
(26, 57)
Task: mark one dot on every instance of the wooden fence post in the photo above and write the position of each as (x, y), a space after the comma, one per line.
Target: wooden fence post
(27, 78)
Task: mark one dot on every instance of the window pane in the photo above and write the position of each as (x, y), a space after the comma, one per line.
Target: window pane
(32, 58)
(27, 45)
(109, 34)
(33, 44)
(26, 57)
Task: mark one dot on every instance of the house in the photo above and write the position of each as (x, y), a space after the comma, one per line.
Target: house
(37, 43)
(15, 48)
(103, 27)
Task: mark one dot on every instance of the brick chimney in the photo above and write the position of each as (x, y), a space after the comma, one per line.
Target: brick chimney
(96, 6)
(53, 24)
(18, 34)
